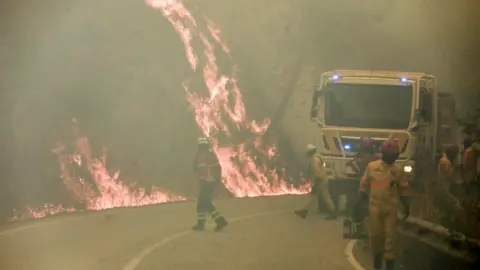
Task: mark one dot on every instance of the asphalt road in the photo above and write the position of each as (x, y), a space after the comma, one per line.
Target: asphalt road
(263, 234)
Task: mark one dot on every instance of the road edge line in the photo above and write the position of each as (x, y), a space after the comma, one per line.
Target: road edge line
(134, 262)
(351, 258)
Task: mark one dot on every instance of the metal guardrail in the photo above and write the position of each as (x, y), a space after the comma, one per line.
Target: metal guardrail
(451, 243)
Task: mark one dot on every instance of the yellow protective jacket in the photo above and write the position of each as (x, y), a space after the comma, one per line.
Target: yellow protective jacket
(445, 173)
(385, 184)
(317, 168)
(469, 164)
(445, 178)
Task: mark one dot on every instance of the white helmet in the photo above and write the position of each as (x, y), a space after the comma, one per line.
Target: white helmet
(203, 141)
(310, 147)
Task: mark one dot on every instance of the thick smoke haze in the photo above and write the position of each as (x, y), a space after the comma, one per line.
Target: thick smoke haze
(117, 66)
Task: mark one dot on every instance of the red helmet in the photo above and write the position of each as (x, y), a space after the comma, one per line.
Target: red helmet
(366, 142)
(389, 146)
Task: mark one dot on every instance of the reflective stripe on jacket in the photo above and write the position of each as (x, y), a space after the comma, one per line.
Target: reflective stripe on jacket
(384, 183)
(207, 166)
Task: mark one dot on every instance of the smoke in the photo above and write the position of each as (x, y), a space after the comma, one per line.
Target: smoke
(118, 67)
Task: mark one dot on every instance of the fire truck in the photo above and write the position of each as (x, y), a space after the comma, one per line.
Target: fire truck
(382, 105)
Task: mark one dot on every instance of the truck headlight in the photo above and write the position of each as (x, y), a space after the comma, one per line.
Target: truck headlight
(407, 169)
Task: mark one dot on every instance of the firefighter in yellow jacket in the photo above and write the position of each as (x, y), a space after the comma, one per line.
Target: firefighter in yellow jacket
(444, 185)
(469, 161)
(383, 184)
(446, 172)
(320, 187)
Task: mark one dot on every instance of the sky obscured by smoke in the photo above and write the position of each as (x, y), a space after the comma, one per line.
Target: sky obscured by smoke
(118, 67)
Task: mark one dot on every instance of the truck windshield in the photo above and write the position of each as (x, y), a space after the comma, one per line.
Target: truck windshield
(368, 105)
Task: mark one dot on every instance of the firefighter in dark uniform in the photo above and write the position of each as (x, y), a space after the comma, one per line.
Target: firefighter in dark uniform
(469, 161)
(208, 173)
(366, 154)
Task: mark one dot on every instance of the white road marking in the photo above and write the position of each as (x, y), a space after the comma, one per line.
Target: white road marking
(73, 216)
(135, 261)
(40, 223)
(26, 227)
(351, 258)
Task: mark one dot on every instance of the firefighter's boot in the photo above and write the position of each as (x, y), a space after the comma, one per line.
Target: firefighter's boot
(378, 261)
(390, 265)
(301, 213)
(200, 226)
(220, 220)
(221, 223)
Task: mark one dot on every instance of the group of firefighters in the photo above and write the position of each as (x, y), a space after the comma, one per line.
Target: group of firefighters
(383, 187)
(451, 189)
(382, 183)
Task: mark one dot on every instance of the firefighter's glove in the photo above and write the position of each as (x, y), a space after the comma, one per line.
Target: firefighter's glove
(406, 206)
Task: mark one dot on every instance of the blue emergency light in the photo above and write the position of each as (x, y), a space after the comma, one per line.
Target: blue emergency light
(347, 147)
(335, 77)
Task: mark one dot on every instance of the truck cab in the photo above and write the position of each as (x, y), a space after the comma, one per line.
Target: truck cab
(382, 105)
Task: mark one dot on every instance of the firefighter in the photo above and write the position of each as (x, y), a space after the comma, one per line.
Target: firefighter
(469, 162)
(208, 172)
(383, 184)
(320, 188)
(442, 188)
(446, 167)
(476, 157)
(366, 154)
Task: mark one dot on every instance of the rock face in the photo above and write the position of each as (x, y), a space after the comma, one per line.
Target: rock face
(118, 67)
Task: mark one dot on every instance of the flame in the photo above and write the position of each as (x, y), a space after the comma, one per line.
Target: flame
(223, 112)
(40, 212)
(105, 190)
(102, 190)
